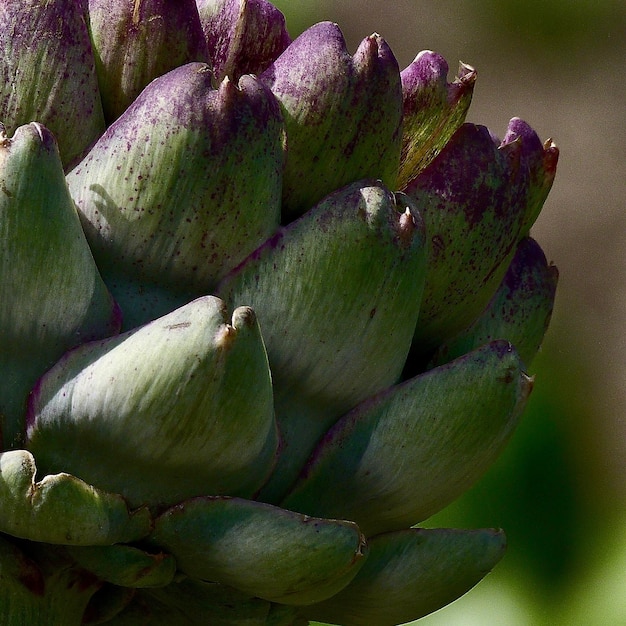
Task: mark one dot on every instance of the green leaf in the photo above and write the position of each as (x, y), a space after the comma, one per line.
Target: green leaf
(411, 573)
(160, 414)
(225, 540)
(62, 509)
(405, 454)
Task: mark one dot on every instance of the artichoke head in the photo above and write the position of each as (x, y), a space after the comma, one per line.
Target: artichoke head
(265, 307)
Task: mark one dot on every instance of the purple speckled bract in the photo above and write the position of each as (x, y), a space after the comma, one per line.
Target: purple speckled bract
(428, 69)
(374, 55)
(185, 98)
(538, 160)
(138, 42)
(343, 114)
(529, 254)
(195, 141)
(318, 62)
(426, 79)
(310, 62)
(47, 72)
(242, 41)
(261, 284)
(469, 174)
(183, 92)
(433, 109)
(218, 24)
(477, 199)
(531, 144)
(19, 22)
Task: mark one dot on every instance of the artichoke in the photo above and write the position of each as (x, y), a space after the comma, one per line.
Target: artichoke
(265, 307)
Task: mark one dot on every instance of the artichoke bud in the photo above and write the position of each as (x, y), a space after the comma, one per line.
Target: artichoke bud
(222, 540)
(337, 294)
(411, 573)
(433, 110)
(343, 114)
(520, 310)
(137, 41)
(52, 297)
(243, 36)
(47, 72)
(473, 200)
(402, 456)
(183, 186)
(151, 414)
(216, 179)
(61, 509)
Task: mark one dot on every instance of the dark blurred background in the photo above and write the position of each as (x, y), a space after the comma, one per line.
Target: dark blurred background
(559, 490)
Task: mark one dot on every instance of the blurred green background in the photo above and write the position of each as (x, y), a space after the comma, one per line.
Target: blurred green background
(560, 488)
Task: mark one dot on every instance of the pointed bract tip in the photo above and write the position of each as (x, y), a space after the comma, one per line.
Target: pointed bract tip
(433, 59)
(513, 150)
(553, 270)
(243, 316)
(519, 129)
(551, 156)
(528, 383)
(32, 136)
(426, 67)
(372, 49)
(225, 336)
(41, 131)
(203, 68)
(371, 43)
(227, 85)
(406, 219)
(467, 74)
(407, 226)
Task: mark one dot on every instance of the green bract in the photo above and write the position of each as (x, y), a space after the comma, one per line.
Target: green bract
(265, 306)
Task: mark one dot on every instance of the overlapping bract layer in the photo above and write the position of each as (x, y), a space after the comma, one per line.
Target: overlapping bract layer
(329, 301)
